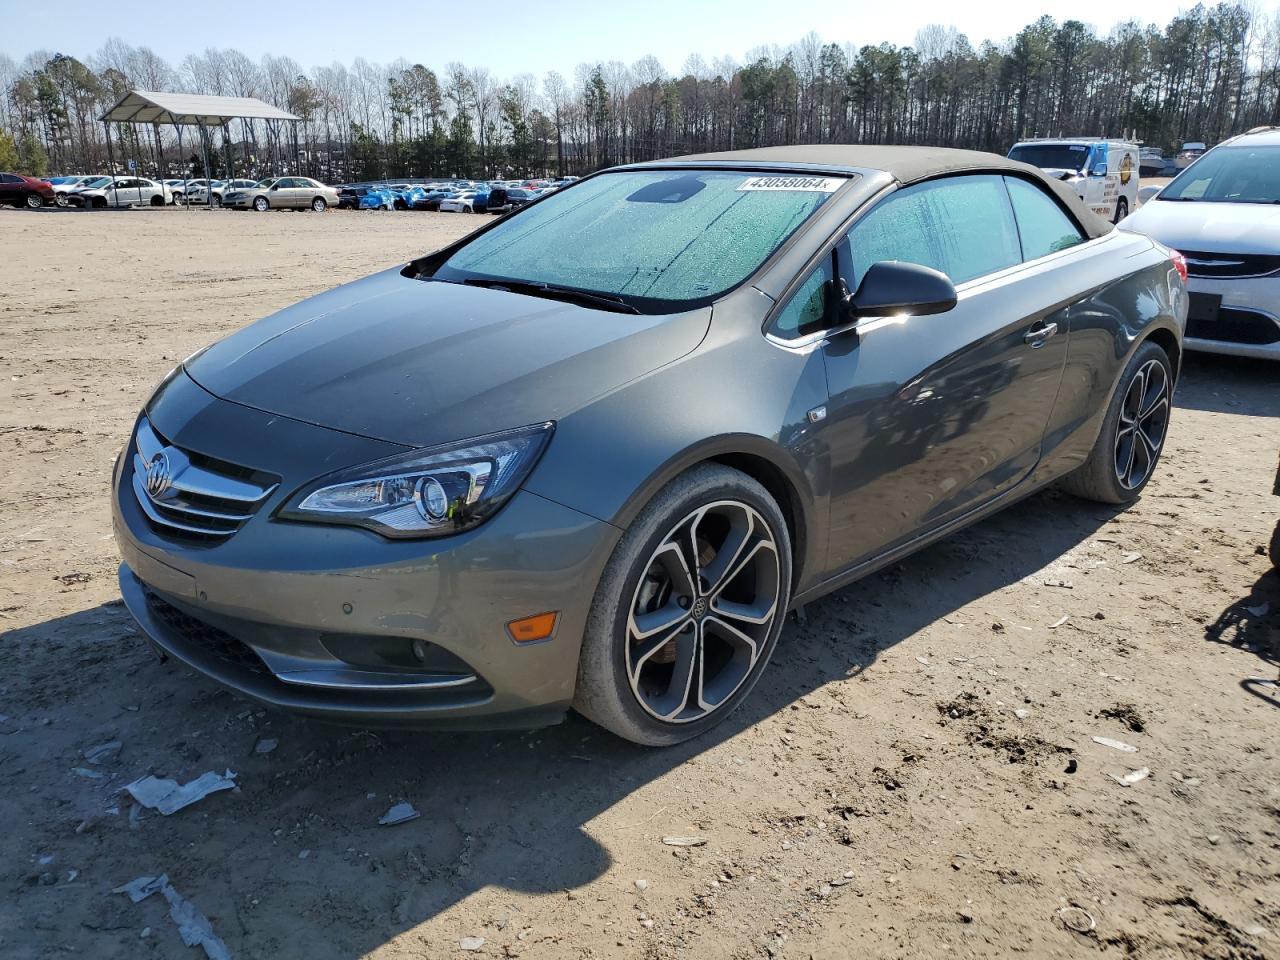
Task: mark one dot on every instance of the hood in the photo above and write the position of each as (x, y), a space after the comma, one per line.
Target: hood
(1206, 227)
(420, 363)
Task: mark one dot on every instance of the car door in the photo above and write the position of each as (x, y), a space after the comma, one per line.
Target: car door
(10, 191)
(148, 189)
(125, 193)
(293, 189)
(929, 417)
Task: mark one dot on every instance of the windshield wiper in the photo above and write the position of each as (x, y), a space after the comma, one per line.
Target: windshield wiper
(1180, 199)
(550, 291)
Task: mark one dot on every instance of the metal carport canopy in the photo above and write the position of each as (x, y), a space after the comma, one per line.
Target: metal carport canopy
(142, 106)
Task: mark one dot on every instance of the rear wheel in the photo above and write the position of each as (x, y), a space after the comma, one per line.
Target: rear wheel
(318, 204)
(1137, 420)
(261, 204)
(215, 201)
(34, 201)
(1122, 210)
(688, 610)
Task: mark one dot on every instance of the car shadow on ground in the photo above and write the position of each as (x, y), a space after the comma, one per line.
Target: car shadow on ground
(528, 811)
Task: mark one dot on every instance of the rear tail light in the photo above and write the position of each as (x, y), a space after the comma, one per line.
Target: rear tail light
(1179, 264)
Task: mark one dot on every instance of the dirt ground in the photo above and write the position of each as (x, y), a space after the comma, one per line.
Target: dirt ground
(914, 777)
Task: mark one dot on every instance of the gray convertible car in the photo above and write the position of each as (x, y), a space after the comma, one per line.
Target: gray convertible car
(590, 455)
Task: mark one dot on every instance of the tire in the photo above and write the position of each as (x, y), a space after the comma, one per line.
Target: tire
(60, 199)
(98, 203)
(319, 204)
(261, 204)
(157, 201)
(216, 202)
(1122, 210)
(1127, 442)
(628, 673)
(34, 201)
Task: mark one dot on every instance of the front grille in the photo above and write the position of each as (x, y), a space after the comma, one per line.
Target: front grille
(1233, 325)
(217, 643)
(1217, 266)
(198, 497)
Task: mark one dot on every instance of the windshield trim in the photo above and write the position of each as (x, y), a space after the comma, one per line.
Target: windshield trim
(425, 267)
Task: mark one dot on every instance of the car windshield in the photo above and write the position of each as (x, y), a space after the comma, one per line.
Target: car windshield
(654, 238)
(265, 183)
(98, 182)
(1240, 174)
(1052, 156)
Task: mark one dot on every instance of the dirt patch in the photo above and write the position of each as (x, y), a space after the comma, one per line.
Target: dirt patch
(1127, 714)
(915, 775)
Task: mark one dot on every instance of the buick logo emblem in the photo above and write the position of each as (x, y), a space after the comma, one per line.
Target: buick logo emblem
(159, 475)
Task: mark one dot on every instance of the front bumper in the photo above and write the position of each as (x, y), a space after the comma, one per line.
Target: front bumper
(318, 619)
(1250, 311)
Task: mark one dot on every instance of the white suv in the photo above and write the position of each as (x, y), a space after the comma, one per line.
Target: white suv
(1223, 214)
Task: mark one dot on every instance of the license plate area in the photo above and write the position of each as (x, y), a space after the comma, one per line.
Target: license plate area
(1204, 307)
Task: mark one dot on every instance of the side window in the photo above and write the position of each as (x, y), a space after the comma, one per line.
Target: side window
(806, 311)
(961, 225)
(1044, 227)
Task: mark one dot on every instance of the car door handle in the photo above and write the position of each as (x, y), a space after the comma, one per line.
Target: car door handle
(1037, 335)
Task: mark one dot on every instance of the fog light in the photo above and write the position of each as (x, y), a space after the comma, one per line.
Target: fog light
(419, 651)
(531, 629)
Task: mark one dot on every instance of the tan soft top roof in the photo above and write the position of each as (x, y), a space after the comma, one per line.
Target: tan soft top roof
(905, 164)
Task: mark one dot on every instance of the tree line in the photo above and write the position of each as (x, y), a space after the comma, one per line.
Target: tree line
(1208, 73)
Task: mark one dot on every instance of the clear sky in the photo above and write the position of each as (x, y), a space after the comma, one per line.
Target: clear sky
(512, 38)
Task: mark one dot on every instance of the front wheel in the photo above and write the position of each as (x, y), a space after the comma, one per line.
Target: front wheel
(1122, 210)
(318, 204)
(261, 204)
(1127, 449)
(34, 201)
(61, 200)
(157, 201)
(215, 201)
(688, 610)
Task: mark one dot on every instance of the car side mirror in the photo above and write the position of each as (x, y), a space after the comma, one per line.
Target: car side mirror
(1100, 170)
(895, 287)
(1146, 193)
(275, 188)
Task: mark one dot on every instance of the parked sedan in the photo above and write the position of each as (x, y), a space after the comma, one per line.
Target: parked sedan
(22, 191)
(283, 193)
(431, 199)
(592, 453)
(1223, 213)
(64, 185)
(213, 192)
(459, 203)
(119, 192)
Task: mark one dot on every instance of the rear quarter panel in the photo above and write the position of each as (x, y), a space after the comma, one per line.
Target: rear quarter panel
(1131, 291)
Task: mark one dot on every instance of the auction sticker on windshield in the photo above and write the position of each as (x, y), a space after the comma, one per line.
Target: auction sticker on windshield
(811, 184)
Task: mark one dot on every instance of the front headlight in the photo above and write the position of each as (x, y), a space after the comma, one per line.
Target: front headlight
(426, 493)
